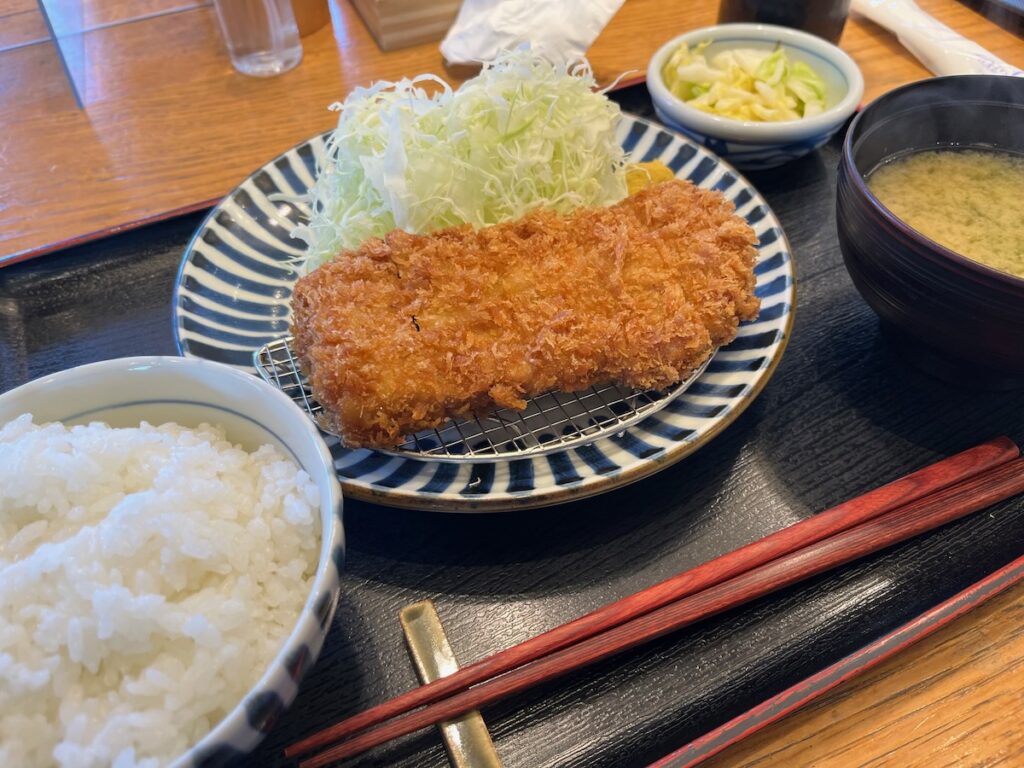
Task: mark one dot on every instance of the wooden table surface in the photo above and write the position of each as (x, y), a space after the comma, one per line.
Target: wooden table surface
(169, 126)
(178, 128)
(954, 700)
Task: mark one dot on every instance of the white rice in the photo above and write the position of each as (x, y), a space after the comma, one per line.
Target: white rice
(147, 578)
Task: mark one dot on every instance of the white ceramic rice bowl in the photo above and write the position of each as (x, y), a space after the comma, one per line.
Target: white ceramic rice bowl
(190, 391)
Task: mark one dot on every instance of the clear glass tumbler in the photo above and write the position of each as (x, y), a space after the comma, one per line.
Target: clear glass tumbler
(261, 35)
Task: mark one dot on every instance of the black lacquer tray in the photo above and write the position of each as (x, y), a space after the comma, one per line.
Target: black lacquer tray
(843, 413)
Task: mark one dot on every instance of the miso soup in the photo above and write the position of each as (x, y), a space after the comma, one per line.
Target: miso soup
(969, 200)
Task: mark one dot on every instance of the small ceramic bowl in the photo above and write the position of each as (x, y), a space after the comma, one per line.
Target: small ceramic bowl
(190, 391)
(957, 318)
(750, 144)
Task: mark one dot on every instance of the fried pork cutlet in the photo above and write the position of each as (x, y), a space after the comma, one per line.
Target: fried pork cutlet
(409, 330)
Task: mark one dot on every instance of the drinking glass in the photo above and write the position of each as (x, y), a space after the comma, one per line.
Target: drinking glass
(261, 35)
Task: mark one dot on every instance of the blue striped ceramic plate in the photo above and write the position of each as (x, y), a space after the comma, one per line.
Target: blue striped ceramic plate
(232, 296)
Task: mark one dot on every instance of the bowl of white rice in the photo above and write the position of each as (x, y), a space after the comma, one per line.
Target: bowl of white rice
(170, 542)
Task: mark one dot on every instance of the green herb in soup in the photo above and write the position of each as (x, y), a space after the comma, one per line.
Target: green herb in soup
(971, 201)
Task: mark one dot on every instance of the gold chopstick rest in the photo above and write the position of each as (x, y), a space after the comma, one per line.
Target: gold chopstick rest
(466, 737)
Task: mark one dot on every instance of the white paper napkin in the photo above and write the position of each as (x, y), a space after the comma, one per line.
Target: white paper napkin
(941, 49)
(560, 30)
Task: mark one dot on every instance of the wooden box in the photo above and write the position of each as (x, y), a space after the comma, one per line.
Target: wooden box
(401, 23)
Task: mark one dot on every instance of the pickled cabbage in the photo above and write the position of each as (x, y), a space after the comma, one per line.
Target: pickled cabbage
(745, 83)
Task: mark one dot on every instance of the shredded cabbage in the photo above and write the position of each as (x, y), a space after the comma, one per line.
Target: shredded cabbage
(522, 134)
(745, 83)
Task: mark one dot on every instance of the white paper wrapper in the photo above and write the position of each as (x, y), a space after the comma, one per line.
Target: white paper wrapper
(560, 30)
(939, 48)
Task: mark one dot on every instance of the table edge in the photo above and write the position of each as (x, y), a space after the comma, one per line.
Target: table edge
(870, 655)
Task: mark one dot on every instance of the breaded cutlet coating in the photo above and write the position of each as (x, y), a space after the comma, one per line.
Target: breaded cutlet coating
(411, 330)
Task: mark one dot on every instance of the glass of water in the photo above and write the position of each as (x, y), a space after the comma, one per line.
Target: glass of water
(261, 35)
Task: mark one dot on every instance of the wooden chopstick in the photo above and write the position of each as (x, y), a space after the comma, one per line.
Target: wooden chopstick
(907, 521)
(914, 486)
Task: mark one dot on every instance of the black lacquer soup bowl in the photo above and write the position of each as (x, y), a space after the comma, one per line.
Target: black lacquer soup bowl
(954, 317)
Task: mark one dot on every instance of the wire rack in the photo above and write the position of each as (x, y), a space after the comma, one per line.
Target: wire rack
(551, 422)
